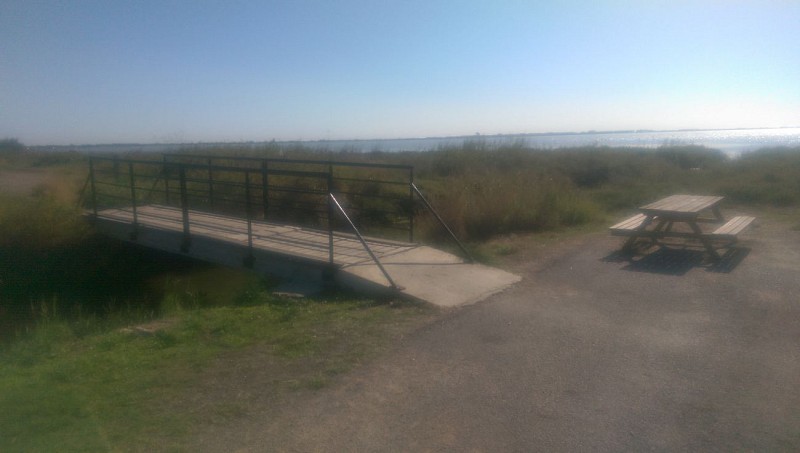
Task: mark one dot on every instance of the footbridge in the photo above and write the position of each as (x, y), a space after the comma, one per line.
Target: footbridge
(302, 220)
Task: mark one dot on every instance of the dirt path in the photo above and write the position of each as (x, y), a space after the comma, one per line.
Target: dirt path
(588, 352)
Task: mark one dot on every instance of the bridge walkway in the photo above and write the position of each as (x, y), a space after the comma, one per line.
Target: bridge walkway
(364, 263)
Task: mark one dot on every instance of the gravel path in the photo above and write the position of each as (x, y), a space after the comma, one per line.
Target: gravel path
(588, 352)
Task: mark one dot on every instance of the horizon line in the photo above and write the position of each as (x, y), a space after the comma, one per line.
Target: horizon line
(473, 136)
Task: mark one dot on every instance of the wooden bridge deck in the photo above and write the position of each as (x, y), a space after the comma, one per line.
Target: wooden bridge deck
(302, 243)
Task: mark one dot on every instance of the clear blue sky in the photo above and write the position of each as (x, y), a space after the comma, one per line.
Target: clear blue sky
(81, 72)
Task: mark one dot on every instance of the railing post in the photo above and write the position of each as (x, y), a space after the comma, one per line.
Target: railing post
(210, 185)
(249, 259)
(443, 224)
(187, 238)
(94, 192)
(330, 215)
(411, 204)
(264, 187)
(135, 231)
(165, 171)
(116, 168)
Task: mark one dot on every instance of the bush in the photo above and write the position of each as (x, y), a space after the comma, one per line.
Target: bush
(10, 146)
(497, 192)
(39, 222)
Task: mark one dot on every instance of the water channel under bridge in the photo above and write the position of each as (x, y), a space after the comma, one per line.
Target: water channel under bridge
(303, 220)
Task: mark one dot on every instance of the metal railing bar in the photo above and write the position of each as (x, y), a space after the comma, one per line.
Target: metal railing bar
(363, 242)
(110, 169)
(249, 214)
(376, 197)
(442, 222)
(164, 172)
(193, 196)
(219, 179)
(107, 183)
(290, 190)
(376, 181)
(292, 161)
(135, 231)
(94, 189)
(82, 193)
(187, 236)
(156, 176)
(411, 204)
(195, 190)
(368, 209)
(216, 168)
(264, 189)
(114, 196)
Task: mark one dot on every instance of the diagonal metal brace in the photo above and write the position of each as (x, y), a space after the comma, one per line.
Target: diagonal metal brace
(364, 243)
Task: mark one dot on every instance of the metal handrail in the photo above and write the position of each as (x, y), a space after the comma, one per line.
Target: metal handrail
(169, 167)
(364, 242)
(289, 161)
(191, 166)
(436, 214)
(177, 172)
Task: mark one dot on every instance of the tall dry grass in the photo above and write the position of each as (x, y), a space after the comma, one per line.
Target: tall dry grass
(483, 190)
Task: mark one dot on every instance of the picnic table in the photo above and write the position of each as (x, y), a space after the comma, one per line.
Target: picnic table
(680, 216)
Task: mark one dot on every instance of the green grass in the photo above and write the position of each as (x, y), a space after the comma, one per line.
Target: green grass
(115, 390)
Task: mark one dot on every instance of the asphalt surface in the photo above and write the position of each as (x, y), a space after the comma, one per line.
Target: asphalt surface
(590, 352)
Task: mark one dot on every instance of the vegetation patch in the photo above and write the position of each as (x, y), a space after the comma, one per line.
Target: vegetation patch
(127, 389)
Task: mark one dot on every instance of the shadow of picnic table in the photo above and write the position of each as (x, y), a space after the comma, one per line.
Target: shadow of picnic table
(677, 261)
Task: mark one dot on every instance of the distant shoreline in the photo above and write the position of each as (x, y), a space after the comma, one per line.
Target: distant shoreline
(172, 145)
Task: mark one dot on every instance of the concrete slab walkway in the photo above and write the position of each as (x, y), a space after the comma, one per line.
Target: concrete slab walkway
(433, 276)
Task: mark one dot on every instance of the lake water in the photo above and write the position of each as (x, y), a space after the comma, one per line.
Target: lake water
(732, 142)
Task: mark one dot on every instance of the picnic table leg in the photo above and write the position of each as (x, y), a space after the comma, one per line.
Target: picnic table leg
(706, 243)
(657, 229)
(717, 214)
(628, 245)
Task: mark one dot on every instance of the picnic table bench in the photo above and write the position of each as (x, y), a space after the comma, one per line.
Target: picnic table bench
(656, 221)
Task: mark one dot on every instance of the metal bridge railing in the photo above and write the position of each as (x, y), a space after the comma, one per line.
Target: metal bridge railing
(280, 191)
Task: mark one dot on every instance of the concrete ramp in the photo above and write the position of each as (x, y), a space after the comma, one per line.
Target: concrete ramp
(429, 275)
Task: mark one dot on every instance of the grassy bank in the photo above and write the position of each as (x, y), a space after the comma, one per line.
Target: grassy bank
(63, 390)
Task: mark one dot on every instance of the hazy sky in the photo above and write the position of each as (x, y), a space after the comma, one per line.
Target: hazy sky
(80, 72)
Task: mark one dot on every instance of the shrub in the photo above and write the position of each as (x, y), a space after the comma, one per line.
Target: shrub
(10, 146)
(39, 222)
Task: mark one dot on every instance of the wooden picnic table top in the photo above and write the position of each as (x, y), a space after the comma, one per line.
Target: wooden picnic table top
(681, 205)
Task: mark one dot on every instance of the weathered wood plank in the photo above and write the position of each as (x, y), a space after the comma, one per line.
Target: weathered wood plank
(688, 204)
(629, 225)
(734, 226)
(291, 240)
